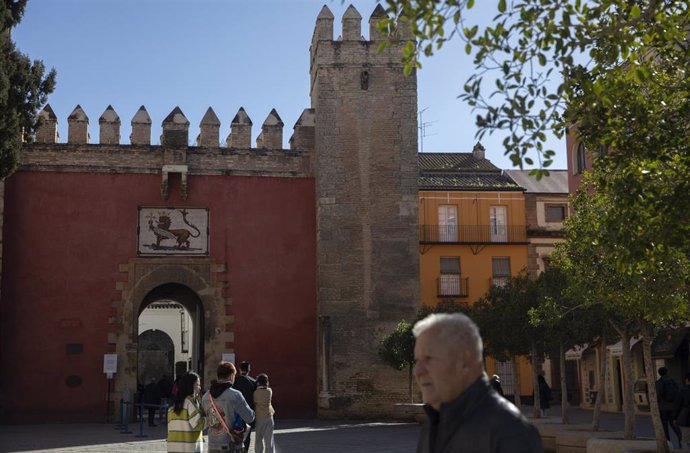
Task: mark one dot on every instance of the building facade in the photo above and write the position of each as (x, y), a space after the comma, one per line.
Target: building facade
(472, 235)
(298, 260)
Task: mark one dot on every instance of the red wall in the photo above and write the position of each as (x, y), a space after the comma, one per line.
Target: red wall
(65, 235)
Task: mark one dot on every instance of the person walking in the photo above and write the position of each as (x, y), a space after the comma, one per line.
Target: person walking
(462, 410)
(225, 407)
(185, 420)
(152, 399)
(246, 385)
(668, 393)
(544, 395)
(263, 439)
(682, 413)
(496, 384)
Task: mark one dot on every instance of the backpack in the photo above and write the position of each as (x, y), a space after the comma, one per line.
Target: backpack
(669, 390)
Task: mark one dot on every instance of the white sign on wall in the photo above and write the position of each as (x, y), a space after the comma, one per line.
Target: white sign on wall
(228, 357)
(110, 364)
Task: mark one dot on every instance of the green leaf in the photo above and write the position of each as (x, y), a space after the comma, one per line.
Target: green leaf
(502, 6)
(635, 12)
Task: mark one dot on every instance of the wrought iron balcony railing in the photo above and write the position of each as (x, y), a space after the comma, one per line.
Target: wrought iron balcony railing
(452, 285)
(473, 234)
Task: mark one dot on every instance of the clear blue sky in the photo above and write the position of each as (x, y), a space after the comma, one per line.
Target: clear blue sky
(219, 53)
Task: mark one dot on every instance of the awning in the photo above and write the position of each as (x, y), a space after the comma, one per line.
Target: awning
(667, 342)
(576, 352)
(616, 350)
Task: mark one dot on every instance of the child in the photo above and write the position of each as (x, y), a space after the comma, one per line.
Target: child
(264, 415)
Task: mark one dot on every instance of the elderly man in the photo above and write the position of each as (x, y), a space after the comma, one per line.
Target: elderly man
(464, 413)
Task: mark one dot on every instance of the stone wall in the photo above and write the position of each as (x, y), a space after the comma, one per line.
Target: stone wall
(367, 224)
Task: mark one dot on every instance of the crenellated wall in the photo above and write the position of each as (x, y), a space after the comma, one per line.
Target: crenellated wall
(315, 245)
(175, 130)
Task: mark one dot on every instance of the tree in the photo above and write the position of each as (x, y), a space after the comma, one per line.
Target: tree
(23, 90)
(544, 66)
(503, 319)
(642, 277)
(397, 350)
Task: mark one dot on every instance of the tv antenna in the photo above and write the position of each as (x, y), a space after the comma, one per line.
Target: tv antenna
(422, 128)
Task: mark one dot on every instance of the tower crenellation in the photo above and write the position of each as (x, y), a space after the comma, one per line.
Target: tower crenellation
(141, 128)
(240, 131)
(271, 136)
(78, 127)
(352, 25)
(47, 128)
(109, 123)
(209, 130)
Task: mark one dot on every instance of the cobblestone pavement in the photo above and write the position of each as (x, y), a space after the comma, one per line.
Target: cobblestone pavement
(299, 436)
(292, 436)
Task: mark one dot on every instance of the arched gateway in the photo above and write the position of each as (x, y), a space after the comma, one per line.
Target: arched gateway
(191, 283)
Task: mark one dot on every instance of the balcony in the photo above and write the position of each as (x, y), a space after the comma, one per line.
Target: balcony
(452, 285)
(472, 234)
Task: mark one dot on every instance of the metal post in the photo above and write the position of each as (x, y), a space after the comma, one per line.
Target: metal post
(125, 421)
(141, 422)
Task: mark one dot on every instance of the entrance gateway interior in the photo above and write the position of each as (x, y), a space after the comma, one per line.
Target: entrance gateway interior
(170, 330)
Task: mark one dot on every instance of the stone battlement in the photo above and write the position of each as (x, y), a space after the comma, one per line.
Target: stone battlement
(175, 130)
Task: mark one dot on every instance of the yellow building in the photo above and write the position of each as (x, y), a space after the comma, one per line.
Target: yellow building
(472, 234)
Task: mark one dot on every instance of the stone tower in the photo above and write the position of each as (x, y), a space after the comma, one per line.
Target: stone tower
(365, 166)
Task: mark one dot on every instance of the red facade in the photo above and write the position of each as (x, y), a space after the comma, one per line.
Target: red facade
(66, 236)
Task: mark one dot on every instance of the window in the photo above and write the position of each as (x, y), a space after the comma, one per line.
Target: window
(448, 223)
(555, 213)
(500, 267)
(449, 280)
(580, 160)
(497, 220)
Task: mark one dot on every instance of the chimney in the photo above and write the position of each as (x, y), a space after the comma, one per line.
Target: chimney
(478, 152)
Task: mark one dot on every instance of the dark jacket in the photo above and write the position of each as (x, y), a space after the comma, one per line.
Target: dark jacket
(246, 386)
(682, 410)
(478, 421)
(665, 385)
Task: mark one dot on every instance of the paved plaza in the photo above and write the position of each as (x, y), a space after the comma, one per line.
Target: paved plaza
(292, 436)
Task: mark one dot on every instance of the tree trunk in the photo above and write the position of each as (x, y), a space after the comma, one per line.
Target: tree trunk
(628, 388)
(564, 386)
(647, 338)
(536, 410)
(409, 381)
(516, 383)
(602, 384)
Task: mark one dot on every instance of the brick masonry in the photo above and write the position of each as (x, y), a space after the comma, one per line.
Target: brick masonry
(367, 225)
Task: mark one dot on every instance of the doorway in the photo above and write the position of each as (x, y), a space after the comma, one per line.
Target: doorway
(170, 328)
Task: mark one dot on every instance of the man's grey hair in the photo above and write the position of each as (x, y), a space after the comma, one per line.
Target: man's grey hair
(454, 328)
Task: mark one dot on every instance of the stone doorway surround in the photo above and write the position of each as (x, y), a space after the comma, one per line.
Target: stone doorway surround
(203, 278)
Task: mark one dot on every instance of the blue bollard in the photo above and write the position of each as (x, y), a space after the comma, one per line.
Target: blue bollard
(141, 422)
(125, 420)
